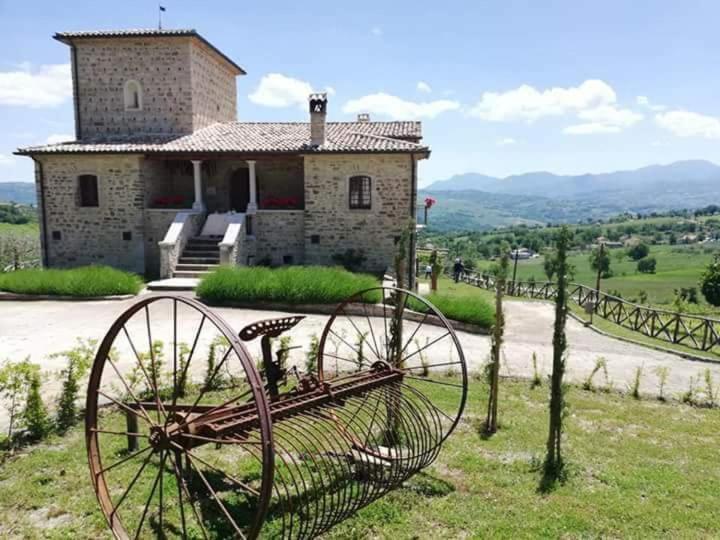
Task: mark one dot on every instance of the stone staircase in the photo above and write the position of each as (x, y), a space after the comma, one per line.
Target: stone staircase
(200, 257)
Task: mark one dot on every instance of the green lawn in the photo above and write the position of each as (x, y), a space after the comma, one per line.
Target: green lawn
(637, 469)
(85, 281)
(677, 266)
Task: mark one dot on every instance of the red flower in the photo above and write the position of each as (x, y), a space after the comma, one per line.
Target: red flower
(429, 202)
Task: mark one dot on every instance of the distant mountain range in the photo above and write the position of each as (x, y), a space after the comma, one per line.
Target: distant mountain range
(480, 201)
(18, 192)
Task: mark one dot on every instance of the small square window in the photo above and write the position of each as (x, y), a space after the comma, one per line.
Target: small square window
(56, 235)
(127, 235)
(287, 259)
(315, 239)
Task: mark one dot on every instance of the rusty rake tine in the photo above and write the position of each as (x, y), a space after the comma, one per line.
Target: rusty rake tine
(129, 391)
(181, 482)
(384, 312)
(152, 492)
(243, 485)
(130, 486)
(374, 351)
(215, 496)
(160, 502)
(238, 442)
(142, 368)
(430, 344)
(186, 422)
(189, 358)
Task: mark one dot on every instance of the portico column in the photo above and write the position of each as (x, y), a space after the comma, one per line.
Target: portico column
(252, 203)
(198, 205)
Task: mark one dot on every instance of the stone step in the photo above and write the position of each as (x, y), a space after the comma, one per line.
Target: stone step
(190, 274)
(181, 267)
(201, 253)
(191, 245)
(199, 260)
(205, 241)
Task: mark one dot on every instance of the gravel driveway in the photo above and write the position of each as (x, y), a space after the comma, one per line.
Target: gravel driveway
(40, 328)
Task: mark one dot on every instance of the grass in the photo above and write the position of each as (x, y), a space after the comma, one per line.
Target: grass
(83, 282)
(291, 285)
(636, 469)
(677, 266)
(460, 302)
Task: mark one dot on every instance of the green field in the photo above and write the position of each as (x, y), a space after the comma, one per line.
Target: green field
(636, 469)
(677, 266)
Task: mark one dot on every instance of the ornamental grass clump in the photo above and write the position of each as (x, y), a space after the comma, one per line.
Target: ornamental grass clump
(288, 285)
(82, 282)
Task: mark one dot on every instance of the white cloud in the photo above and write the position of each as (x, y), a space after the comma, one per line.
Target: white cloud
(528, 104)
(59, 137)
(689, 124)
(376, 31)
(603, 119)
(644, 101)
(507, 141)
(6, 160)
(278, 90)
(397, 108)
(424, 87)
(48, 86)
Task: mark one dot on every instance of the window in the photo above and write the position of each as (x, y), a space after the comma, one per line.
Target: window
(88, 184)
(287, 259)
(127, 235)
(56, 235)
(360, 192)
(315, 239)
(133, 96)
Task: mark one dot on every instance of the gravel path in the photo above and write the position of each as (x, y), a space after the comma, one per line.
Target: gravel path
(40, 328)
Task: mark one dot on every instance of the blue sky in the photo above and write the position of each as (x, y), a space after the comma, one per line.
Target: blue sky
(502, 87)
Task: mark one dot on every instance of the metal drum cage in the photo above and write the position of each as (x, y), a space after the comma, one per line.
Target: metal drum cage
(189, 436)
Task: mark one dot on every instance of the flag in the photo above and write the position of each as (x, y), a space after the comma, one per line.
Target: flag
(162, 8)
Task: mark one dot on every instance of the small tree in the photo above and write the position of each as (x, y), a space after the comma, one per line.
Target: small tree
(311, 355)
(436, 268)
(554, 463)
(79, 359)
(710, 282)
(638, 251)
(600, 262)
(496, 344)
(647, 265)
(14, 383)
(35, 414)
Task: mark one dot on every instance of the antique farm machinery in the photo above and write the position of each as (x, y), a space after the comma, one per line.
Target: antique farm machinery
(188, 436)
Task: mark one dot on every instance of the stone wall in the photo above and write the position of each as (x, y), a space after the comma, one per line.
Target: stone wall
(332, 228)
(213, 87)
(111, 233)
(278, 234)
(185, 86)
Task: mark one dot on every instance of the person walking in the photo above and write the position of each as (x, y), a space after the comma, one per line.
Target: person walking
(428, 271)
(458, 269)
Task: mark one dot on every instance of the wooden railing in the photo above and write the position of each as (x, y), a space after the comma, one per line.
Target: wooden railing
(692, 331)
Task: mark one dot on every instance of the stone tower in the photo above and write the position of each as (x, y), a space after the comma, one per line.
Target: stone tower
(137, 83)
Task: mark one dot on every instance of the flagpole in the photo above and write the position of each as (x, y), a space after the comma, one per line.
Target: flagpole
(159, 17)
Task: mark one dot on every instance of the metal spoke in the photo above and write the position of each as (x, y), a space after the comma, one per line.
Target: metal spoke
(152, 492)
(130, 486)
(142, 368)
(360, 333)
(187, 422)
(425, 316)
(433, 381)
(372, 332)
(346, 343)
(243, 485)
(428, 366)
(220, 441)
(122, 433)
(129, 390)
(123, 460)
(189, 359)
(433, 342)
(125, 407)
(161, 408)
(180, 497)
(215, 496)
(181, 482)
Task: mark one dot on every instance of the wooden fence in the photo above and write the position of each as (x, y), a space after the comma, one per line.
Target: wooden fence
(692, 331)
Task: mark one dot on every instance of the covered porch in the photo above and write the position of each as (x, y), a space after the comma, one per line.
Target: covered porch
(236, 208)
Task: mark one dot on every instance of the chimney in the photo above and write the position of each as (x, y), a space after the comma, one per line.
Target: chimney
(363, 117)
(318, 112)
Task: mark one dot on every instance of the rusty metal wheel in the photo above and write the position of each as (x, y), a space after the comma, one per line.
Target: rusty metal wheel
(165, 459)
(404, 331)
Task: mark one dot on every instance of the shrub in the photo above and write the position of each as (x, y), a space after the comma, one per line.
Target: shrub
(292, 285)
(647, 265)
(15, 378)
(536, 379)
(86, 281)
(78, 362)
(351, 260)
(662, 372)
(600, 363)
(312, 354)
(710, 282)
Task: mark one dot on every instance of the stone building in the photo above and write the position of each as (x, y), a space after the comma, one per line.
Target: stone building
(163, 180)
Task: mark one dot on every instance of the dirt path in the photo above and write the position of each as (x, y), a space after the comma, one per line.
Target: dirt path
(38, 329)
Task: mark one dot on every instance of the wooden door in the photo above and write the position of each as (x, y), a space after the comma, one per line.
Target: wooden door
(239, 190)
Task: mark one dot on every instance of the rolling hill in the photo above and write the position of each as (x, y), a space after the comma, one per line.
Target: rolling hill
(18, 192)
(475, 201)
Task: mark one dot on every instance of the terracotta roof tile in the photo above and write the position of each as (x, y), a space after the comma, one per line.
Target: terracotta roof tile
(256, 137)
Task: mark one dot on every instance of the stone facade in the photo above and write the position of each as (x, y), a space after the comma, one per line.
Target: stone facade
(331, 227)
(279, 234)
(112, 233)
(184, 86)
